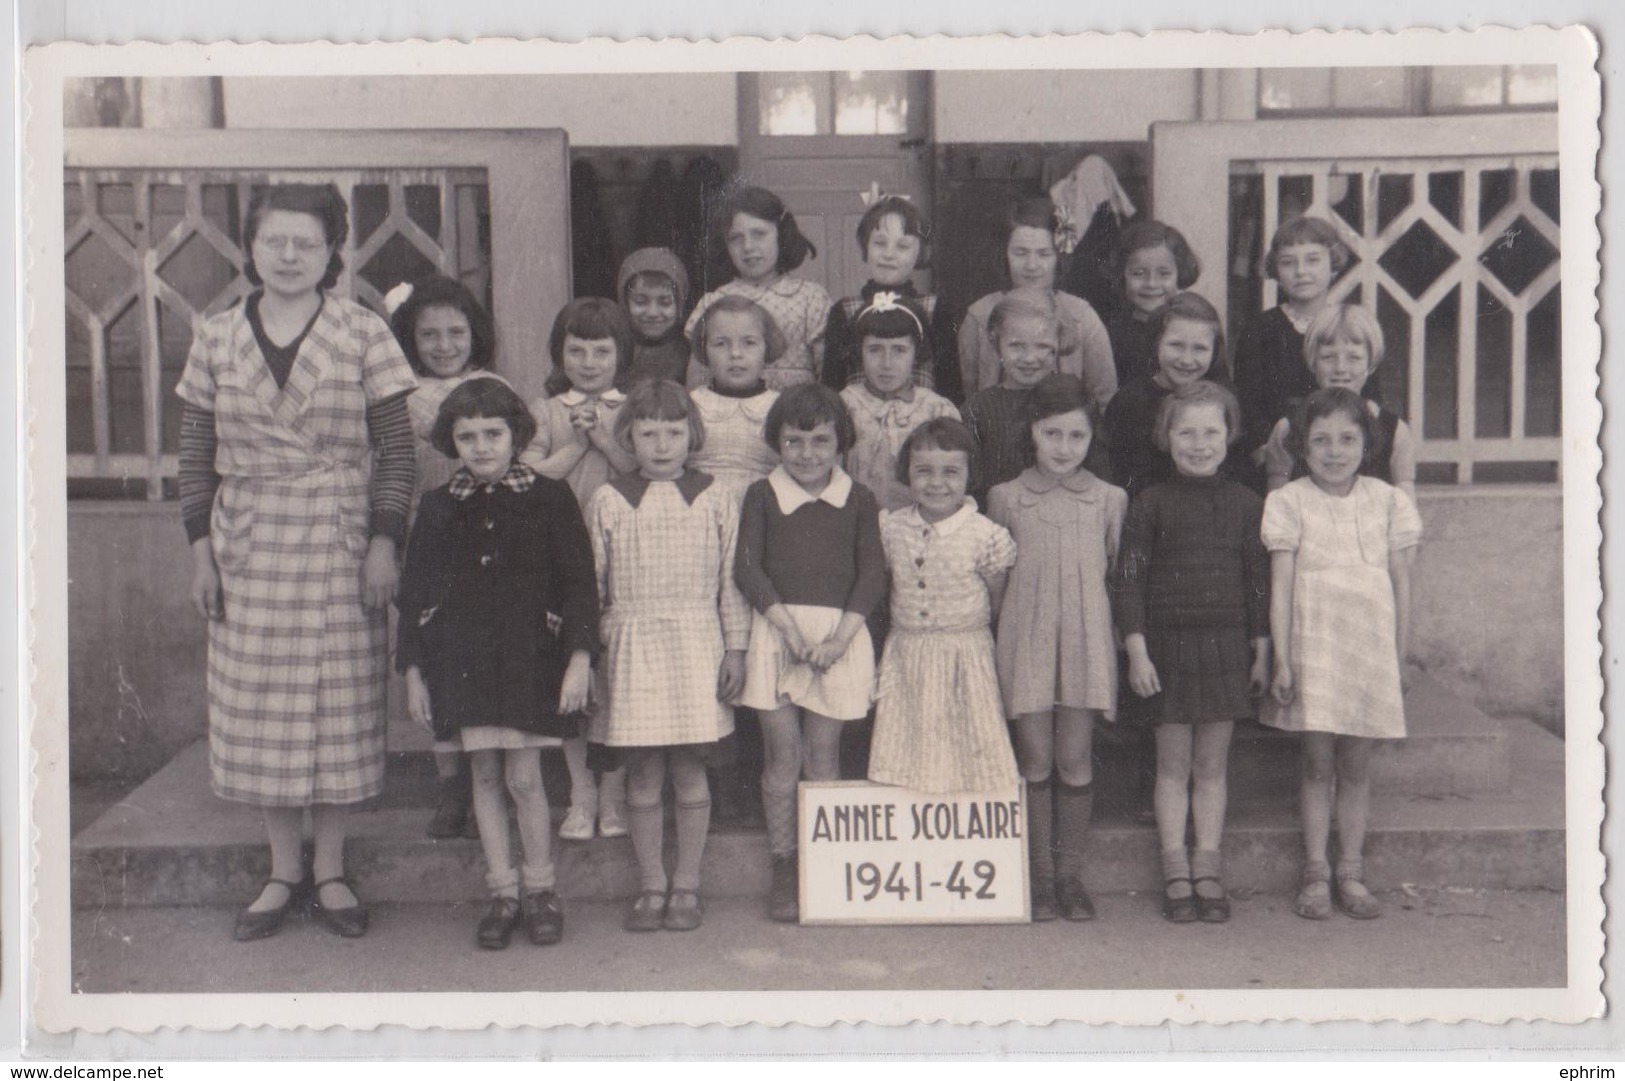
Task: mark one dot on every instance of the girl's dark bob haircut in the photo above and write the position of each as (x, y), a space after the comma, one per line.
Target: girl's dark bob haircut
(1307, 229)
(1059, 393)
(482, 396)
(914, 224)
(1328, 402)
(1140, 235)
(1193, 308)
(794, 248)
(659, 399)
(1201, 392)
(590, 319)
(321, 201)
(805, 406)
(441, 291)
(771, 334)
(940, 433)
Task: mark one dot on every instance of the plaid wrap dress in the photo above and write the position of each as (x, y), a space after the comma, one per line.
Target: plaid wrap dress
(296, 667)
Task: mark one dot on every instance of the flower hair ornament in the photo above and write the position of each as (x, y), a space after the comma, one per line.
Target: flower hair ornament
(892, 302)
(397, 296)
(876, 193)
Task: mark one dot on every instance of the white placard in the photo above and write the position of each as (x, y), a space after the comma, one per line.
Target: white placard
(873, 853)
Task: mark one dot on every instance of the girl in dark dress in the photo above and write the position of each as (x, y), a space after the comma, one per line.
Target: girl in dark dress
(499, 620)
(1191, 597)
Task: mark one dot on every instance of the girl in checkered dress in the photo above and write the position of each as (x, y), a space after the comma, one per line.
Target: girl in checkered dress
(498, 623)
(674, 633)
(763, 245)
(1340, 547)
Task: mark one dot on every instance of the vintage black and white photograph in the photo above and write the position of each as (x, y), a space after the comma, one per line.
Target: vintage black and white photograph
(1020, 529)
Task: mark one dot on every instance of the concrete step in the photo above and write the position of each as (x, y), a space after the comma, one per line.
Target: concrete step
(172, 842)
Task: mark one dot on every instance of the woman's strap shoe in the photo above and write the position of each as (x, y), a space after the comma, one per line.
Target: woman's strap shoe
(350, 922)
(252, 926)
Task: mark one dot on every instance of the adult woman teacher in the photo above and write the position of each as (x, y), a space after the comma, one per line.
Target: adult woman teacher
(296, 473)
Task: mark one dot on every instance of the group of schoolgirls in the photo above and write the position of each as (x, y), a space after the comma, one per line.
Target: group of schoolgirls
(707, 514)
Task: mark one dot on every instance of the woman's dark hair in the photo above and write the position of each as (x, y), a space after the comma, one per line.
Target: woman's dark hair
(914, 224)
(1037, 212)
(903, 319)
(1328, 402)
(590, 319)
(321, 201)
(794, 248)
(1140, 235)
(659, 399)
(1201, 392)
(1306, 229)
(482, 396)
(1059, 393)
(940, 433)
(804, 407)
(1193, 308)
(441, 291)
(772, 336)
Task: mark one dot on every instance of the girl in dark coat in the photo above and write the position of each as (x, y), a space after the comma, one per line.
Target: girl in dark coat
(499, 618)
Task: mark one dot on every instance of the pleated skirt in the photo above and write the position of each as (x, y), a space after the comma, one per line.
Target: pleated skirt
(1203, 672)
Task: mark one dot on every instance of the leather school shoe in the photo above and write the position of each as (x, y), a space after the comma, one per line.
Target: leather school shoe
(348, 922)
(684, 910)
(1211, 909)
(1073, 900)
(544, 917)
(1043, 903)
(648, 912)
(1178, 909)
(497, 925)
(252, 926)
(784, 896)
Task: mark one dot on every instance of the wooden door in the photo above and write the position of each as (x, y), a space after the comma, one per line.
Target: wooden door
(820, 139)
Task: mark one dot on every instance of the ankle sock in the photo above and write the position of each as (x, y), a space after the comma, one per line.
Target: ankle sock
(1208, 863)
(1176, 863)
(503, 883)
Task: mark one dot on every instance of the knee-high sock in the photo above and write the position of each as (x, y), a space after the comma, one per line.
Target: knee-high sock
(693, 826)
(1074, 808)
(648, 828)
(1041, 831)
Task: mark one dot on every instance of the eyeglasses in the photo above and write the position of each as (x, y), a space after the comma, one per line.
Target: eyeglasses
(304, 245)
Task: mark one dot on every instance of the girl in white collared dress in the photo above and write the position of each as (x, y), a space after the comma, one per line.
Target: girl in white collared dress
(591, 345)
(811, 565)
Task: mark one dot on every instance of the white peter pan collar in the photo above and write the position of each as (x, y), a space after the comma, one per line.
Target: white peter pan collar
(792, 496)
(574, 397)
(948, 526)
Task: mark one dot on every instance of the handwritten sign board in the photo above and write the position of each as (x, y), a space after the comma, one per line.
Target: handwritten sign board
(873, 853)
